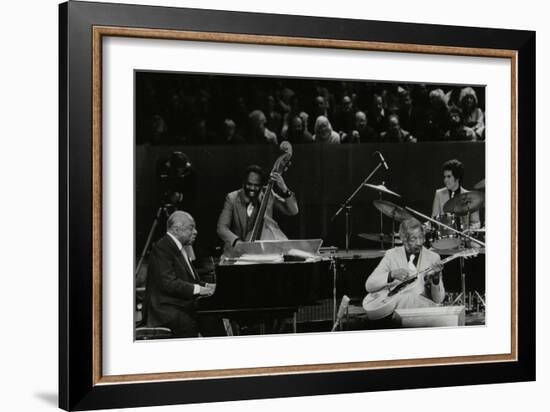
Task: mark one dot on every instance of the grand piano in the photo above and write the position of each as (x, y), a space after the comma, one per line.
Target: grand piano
(269, 279)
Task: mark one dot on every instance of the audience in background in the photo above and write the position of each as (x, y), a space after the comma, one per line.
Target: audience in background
(457, 129)
(257, 130)
(377, 117)
(395, 133)
(361, 131)
(189, 109)
(297, 131)
(436, 116)
(324, 133)
(472, 115)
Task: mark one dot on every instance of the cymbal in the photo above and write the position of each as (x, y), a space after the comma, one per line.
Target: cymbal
(379, 237)
(464, 203)
(382, 189)
(480, 185)
(392, 210)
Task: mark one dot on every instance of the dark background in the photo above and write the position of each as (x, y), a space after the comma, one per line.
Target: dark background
(322, 177)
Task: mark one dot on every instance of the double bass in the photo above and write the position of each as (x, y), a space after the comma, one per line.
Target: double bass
(280, 166)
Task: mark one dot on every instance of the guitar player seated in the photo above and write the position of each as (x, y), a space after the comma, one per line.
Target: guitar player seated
(399, 263)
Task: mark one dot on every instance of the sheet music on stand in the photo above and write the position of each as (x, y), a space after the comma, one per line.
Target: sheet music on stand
(273, 251)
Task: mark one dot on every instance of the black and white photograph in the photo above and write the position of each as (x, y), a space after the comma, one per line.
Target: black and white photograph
(261, 205)
(272, 205)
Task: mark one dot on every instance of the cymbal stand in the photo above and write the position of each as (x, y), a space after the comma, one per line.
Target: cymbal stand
(452, 229)
(381, 222)
(393, 232)
(462, 294)
(334, 267)
(348, 225)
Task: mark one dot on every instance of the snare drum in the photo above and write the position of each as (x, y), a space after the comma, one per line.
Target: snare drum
(444, 238)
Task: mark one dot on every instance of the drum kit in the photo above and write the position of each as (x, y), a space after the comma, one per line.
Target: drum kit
(447, 232)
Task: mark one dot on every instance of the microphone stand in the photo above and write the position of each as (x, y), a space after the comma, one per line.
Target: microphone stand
(347, 206)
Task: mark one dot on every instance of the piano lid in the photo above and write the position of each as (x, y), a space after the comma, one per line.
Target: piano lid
(276, 247)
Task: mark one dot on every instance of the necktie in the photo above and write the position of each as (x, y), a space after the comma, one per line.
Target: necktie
(184, 254)
(250, 209)
(411, 263)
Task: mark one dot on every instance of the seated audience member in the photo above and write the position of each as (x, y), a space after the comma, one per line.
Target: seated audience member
(284, 101)
(305, 118)
(320, 107)
(405, 111)
(258, 132)
(458, 131)
(394, 133)
(377, 114)
(420, 108)
(238, 112)
(472, 115)
(324, 133)
(320, 89)
(274, 118)
(345, 116)
(436, 116)
(229, 134)
(297, 132)
(200, 134)
(361, 131)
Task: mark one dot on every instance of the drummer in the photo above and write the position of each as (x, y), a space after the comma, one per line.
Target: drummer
(453, 174)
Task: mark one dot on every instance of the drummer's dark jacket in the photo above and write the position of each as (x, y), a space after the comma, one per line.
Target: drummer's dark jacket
(170, 285)
(442, 196)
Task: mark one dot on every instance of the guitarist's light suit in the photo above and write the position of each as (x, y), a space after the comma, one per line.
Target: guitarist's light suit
(420, 296)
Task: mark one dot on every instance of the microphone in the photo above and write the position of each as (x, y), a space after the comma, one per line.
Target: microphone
(383, 160)
(341, 312)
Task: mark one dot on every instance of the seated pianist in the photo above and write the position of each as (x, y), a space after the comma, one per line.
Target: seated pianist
(403, 261)
(173, 285)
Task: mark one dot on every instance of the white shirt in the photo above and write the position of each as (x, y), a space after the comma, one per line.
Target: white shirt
(196, 288)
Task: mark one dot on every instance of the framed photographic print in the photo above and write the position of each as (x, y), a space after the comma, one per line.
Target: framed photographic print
(256, 206)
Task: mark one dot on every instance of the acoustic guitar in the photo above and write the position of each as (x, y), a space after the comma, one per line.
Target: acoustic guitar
(382, 303)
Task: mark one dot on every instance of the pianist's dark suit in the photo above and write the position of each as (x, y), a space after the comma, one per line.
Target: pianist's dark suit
(169, 299)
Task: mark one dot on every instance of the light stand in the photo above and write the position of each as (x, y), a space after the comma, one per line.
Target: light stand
(161, 210)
